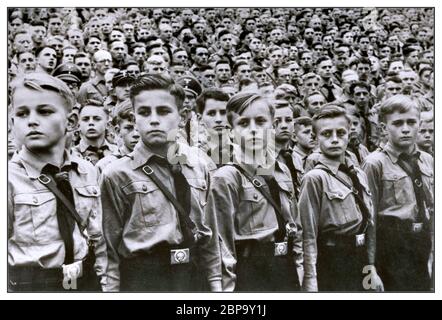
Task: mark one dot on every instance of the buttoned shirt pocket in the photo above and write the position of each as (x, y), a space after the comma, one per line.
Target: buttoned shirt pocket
(198, 188)
(148, 202)
(340, 207)
(252, 214)
(36, 217)
(86, 201)
(397, 189)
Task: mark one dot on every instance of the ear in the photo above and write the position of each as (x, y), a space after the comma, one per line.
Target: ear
(72, 121)
(383, 126)
(117, 129)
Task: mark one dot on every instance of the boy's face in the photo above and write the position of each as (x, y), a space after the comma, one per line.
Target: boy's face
(122, 92)
(402, 128)
(252, 126)
(332, 135)
(305, 137)
(355, 127)
(283, 124)
(315, 102)
(156, 114)
(425, 135)
(47, 59)
(214, 115)
(40, 119)
(129, 134)
(93, 122)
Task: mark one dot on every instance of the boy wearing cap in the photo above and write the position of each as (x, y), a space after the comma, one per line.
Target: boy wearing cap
(402, 181)
(55, 238)
(159, 237)
(336, 213)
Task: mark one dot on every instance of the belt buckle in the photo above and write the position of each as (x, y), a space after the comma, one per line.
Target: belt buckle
(281, 248)
(417, 227)
(179, 256)
(360, 240)
(72, 271)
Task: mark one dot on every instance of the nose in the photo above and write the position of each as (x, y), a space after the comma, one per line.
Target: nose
(334, 138)
(154, 118)
(33, 119)
(218, 119)
(406, 128)
(136, 134)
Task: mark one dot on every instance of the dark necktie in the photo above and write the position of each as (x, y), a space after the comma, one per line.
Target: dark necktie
(99, 151)
(353, 145)
(274, 192)
(183, 195)
(288, 159)
(330, 96)
(352, 174)
(409, 164)
(66, 222)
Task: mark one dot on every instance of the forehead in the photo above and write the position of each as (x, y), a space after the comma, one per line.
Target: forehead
(413, 113)
(256, 109)
(283, 112)
(47, 51)
(92, 111)
(335, 123)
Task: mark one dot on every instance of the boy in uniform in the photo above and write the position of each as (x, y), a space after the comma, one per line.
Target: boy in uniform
(157, 232)
(284, 129)
(401, 180)
(55, 240)
(336, 212)
(253, 199)
(127, 132)
(93, 145)
(305, 140)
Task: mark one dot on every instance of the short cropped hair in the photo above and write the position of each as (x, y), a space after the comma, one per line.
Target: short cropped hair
(397, 103)
(212, 93)
(240, 101)
(40, 81)
(330, 111)
(150, 82)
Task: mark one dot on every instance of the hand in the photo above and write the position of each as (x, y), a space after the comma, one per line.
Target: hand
(377, 282)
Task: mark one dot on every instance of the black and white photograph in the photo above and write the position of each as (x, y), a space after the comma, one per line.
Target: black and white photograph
(220, 149)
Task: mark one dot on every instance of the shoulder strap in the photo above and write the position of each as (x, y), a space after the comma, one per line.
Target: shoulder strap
(258, 184)
(49, 182)
(358, 197)
(181, 211)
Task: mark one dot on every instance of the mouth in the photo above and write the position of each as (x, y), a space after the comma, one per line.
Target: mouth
(91, 131)
(334, 149)
(219, 128)
(406, 138)
(156, 132)
(34, 134)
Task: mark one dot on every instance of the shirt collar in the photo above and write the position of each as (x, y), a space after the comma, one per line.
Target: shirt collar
(82, 146)
(333, 165)
(142, 154)
(394, 154)
(33, 164)
(252, 169)
(299, 151)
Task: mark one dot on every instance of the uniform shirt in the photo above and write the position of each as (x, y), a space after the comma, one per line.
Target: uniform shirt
(82, 151)
(101, 164)
(392, 188)
(138, 216)
(300, 156)
(326, 205)
(244, 214)
(297, 162)
(316, 155)
(34, 238)
(94, 89)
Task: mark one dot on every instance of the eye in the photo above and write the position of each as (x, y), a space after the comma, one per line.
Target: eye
(21, 113)
(211, 113)
(45, 112)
